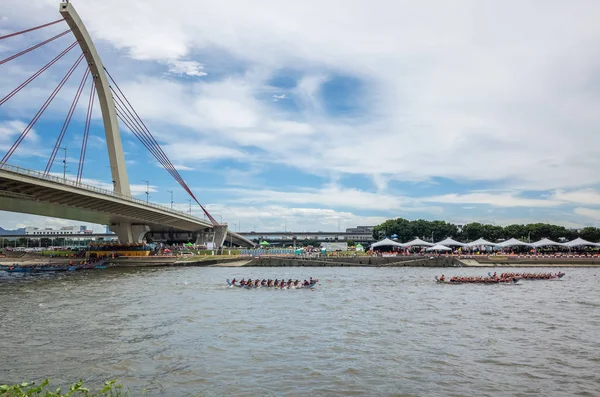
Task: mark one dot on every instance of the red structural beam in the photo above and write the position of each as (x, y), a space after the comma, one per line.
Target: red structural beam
(63, 130)
(10, 58)
(86, 133)
(31, 29)
(36, 74)
(40, 112)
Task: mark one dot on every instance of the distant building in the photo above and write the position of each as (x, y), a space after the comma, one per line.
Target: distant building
(66, 230)
(333, 247)
(359, 233)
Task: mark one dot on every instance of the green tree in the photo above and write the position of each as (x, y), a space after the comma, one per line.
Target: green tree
(351, 243)
(590, 234)
(472, 231)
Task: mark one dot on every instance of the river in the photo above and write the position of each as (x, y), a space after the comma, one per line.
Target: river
(361, 332)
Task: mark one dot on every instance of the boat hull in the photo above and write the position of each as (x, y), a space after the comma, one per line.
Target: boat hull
(260, 286)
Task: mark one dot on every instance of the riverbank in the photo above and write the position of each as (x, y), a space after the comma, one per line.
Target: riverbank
(31, 260)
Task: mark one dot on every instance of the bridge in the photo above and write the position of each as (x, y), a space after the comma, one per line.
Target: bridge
(41, 193)
(287, 237)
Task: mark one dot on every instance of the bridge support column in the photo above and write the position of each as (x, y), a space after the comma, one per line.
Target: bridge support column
(203, 237)
(128, 233)
(220, 235)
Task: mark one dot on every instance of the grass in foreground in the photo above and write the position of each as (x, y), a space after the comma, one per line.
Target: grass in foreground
(110, 389)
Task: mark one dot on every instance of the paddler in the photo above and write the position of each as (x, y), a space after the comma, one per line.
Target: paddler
(442, 278)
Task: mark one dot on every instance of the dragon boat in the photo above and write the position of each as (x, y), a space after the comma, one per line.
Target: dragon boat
(482, 280)
(299, 286)
(533, 276)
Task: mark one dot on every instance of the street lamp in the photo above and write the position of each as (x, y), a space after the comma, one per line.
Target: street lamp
(147, 190)
(171, 191)
(190, 201)
(65, 164)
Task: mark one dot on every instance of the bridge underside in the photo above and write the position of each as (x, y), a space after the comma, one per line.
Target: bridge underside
(30, 195)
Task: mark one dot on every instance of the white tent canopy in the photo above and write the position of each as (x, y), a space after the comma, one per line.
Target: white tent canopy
(450, 242)
(386, 242)
(579, 242)
(546, 243)
(438, 247)
(513, 242)
(418, 243)
(479, 242)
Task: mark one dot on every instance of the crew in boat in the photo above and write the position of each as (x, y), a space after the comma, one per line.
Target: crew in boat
(243, 282)
(276, 283)
(442, 278)
(233, 281)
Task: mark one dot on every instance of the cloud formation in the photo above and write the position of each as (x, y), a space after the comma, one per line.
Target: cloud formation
(386, 98)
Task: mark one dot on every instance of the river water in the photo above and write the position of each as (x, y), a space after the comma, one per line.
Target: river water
(361, 332)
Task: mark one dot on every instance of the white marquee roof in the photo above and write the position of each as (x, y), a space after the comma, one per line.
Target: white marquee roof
(579, 242)
(418, 243)
(438, 247)
(513, 242)
(386, 242)
(547, 242)
(450, 242)
(480, 241)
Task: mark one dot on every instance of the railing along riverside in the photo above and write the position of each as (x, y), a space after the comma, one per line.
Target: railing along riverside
(82, 186)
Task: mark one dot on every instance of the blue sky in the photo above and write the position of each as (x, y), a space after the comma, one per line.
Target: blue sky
(309, 115)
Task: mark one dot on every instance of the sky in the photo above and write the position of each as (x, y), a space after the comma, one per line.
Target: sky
(309, 115)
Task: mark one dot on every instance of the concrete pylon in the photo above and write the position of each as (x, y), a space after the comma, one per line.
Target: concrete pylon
(107, 105)
(220, 235)
(128, 233)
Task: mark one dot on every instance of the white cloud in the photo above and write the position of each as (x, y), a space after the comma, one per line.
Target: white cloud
(188, 68)
(583, 196)
(497, 199)
(591, 214)
(278, 97)
(278, 218)
(12, 220)
(476, 95)
(182, 151)
(136, 189)
(330, 196)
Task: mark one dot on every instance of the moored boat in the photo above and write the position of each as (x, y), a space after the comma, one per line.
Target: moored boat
(19, 269)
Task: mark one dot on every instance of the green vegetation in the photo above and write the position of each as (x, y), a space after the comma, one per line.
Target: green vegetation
(30, 389)
(407, 230)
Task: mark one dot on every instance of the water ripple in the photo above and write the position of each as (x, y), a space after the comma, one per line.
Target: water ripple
(363, 331)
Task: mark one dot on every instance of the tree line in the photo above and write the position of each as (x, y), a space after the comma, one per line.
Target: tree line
(406, 230)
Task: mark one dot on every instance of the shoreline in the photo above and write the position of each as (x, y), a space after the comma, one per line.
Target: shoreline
(363, 261)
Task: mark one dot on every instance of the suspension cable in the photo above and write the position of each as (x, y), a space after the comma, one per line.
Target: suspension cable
(31, 29)
(177, 177)
(63, 130)
(40, 112)
(36, 74)
(86, 133)
(142, 136)
(10, 58)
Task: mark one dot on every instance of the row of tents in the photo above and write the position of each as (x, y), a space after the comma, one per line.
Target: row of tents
(445, 245)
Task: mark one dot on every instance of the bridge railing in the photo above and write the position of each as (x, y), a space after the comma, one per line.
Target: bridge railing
(83, 186)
